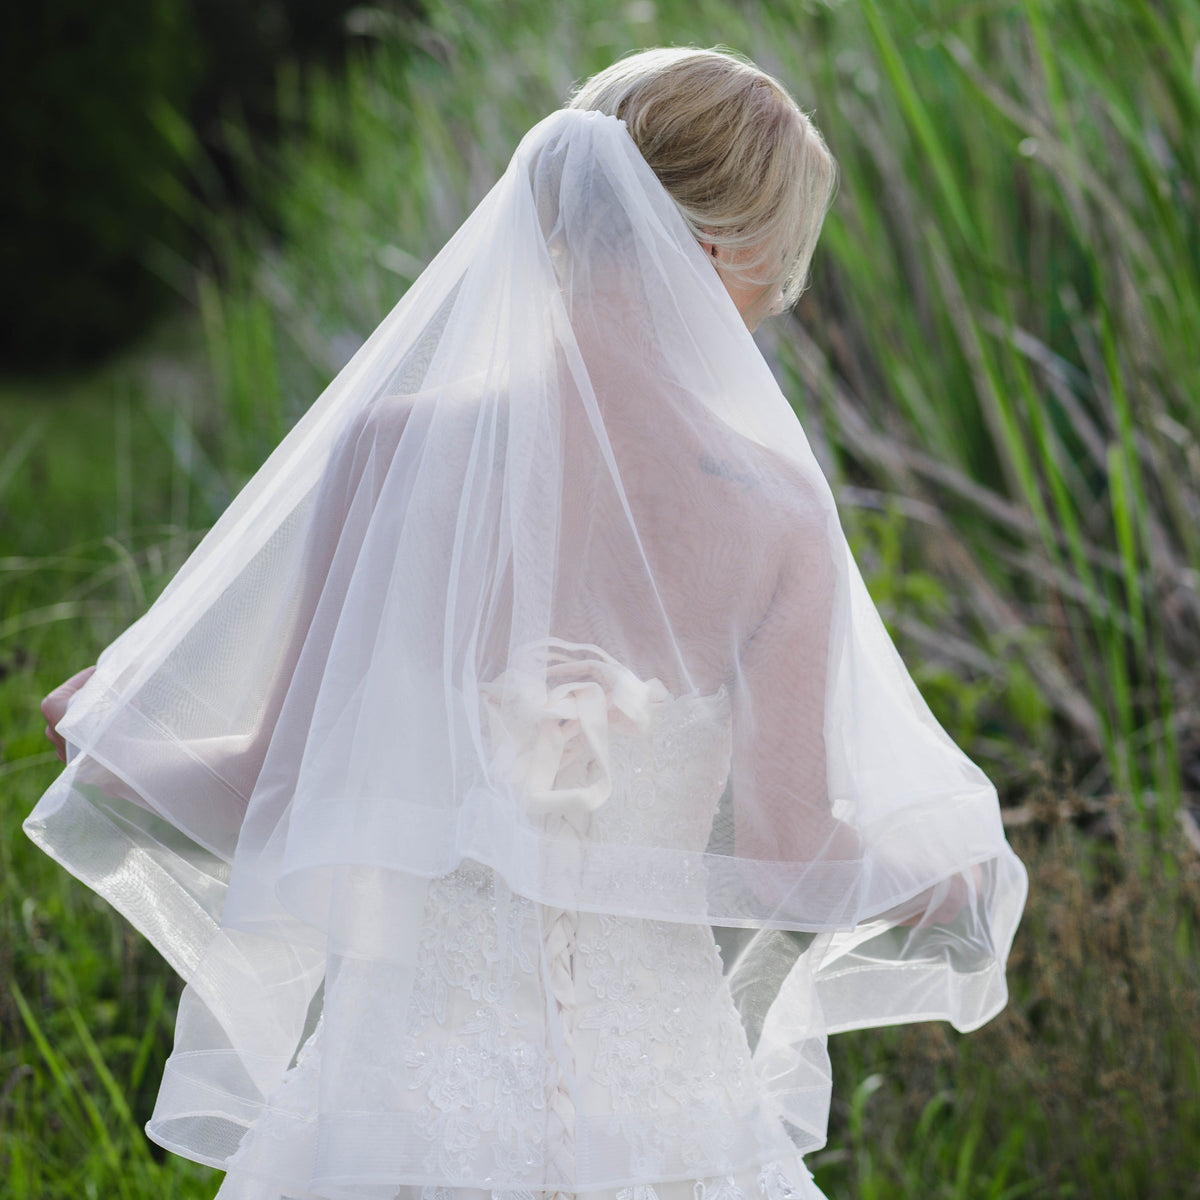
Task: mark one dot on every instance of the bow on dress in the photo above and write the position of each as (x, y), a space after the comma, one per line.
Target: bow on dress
(549, 718)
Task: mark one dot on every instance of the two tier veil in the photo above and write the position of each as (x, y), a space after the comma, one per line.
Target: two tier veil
(557, 486)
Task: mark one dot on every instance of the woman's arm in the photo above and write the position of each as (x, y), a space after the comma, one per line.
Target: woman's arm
(784, 810)
(54, 708)
(347, 491)
(780, 786)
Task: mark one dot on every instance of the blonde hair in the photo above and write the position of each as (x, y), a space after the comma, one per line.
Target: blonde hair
(746, 167)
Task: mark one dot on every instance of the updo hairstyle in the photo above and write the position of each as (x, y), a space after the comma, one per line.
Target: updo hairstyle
(748, 170)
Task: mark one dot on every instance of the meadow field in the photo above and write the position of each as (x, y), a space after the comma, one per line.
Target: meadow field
(997, 365)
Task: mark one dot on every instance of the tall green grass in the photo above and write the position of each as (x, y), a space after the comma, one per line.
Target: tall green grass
(94, 516)
(1020, 174)
(996, 365)
(997, 350)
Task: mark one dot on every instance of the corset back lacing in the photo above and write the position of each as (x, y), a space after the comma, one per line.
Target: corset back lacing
(561, 939)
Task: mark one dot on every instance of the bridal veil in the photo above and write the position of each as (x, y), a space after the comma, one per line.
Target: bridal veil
(557, 489)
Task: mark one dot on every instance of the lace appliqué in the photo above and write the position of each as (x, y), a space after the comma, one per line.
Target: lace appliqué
(477, 1064)
(665, 1041)
(718, 1189)
(671, 782)
(774, 1184)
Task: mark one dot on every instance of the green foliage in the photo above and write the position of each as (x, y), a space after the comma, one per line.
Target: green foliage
(1006, 174)
(94, 517)
(974, 678)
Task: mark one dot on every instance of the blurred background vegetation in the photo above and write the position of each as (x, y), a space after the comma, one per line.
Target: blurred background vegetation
(208, 206)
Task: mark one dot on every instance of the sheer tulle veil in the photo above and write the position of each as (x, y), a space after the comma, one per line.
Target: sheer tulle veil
(556, 490)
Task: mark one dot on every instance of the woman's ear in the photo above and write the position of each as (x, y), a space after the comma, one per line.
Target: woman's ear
(709, 249)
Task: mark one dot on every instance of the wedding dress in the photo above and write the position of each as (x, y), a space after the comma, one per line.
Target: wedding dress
(533, 655)
(541, 1042)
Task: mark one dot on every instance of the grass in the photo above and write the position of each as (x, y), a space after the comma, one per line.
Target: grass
(86, 1015)
(995, 365)
(1086, 1085)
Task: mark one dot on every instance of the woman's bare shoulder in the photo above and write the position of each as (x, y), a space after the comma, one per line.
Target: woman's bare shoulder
(382, 421)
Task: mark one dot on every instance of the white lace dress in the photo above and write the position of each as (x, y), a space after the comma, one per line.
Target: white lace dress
(551, 1046)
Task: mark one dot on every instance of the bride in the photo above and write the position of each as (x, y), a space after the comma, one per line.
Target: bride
(534, 653)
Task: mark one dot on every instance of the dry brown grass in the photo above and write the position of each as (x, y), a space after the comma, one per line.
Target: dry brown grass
(1088, 1083)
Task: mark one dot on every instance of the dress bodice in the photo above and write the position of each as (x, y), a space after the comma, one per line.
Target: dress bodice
(584, 741)
(668, 781)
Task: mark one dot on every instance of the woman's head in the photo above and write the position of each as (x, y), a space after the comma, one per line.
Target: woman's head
(748, 170)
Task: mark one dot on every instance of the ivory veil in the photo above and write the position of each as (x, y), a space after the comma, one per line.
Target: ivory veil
(556, 497)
